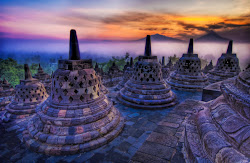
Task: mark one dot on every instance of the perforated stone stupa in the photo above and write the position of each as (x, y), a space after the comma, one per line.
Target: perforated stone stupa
(28, 94)
(146, 89)
(188, 76)
(99, 72)
(43, 78)
(165, 70)
(227, 66)
(208, 67)
(126, 75)
(219, 130)
(6, 93)
(77, 117)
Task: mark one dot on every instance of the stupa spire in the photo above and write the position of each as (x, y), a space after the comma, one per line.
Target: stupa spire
(148, 46)
(74, 52)
(96, 65)
(131, 62)
(163, 61)
(230, 47)
(191, 46)
(27, 72)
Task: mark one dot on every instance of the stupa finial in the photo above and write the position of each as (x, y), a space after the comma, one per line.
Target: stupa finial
(148, 46)
(27, 72)
(191, 46)
(131, 62)
(230, 47)
(74, 52)
(163, 61)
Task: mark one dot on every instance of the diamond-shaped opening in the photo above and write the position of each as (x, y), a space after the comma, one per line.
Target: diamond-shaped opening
(147, 79)
(53, 96)
(81, 98)
(90, 82)
(56, 90)
(91, 75)
(66, 78)
(81, 84)
(37, 98)
(27, 96)
(84, 77)
(57, 78)
(65, 91)
(54, 82)
(75, 77)
(86, 90)
(60, 98)
(153, 79)
(23, 100)
(141, 79)
(94, 88)
(30, 99)
(71, 84)
(98, 94)
(76, 91)
(91, 96)
(70, 99)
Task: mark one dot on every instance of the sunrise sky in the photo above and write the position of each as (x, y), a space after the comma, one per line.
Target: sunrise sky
(123, 19)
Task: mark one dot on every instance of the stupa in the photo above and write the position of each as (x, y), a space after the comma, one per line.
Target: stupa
(6, 93)
(114, 75)
(218, 130)
(227, 66)
(29, 93)
(126, 75)
(146, 89)
(165, 70)
(100, 73)
(77, 117)
(43, 78)
(208, 67)
(98, 70)
(188, 76)
(170, 65)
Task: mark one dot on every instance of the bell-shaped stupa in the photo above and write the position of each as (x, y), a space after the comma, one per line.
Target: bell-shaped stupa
(29, 93)
(99, 72)
(188, 75)
(227, 66)
(146, 89)
(208, 67)
(6, 93)
(43, 78)
(126, 75)
(77, 117)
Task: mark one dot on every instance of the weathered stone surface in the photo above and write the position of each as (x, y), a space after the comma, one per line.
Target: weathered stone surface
(128, 72)
(77, 117)
(6, 93)
(221, 126)
(28, 94)
(44, 78)
(146, 89)
(188, 75)
(227, 66)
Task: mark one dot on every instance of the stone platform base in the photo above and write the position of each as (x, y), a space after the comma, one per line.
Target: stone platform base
(216, 133)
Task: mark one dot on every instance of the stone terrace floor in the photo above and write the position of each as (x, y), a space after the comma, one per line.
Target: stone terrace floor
(148, 136)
